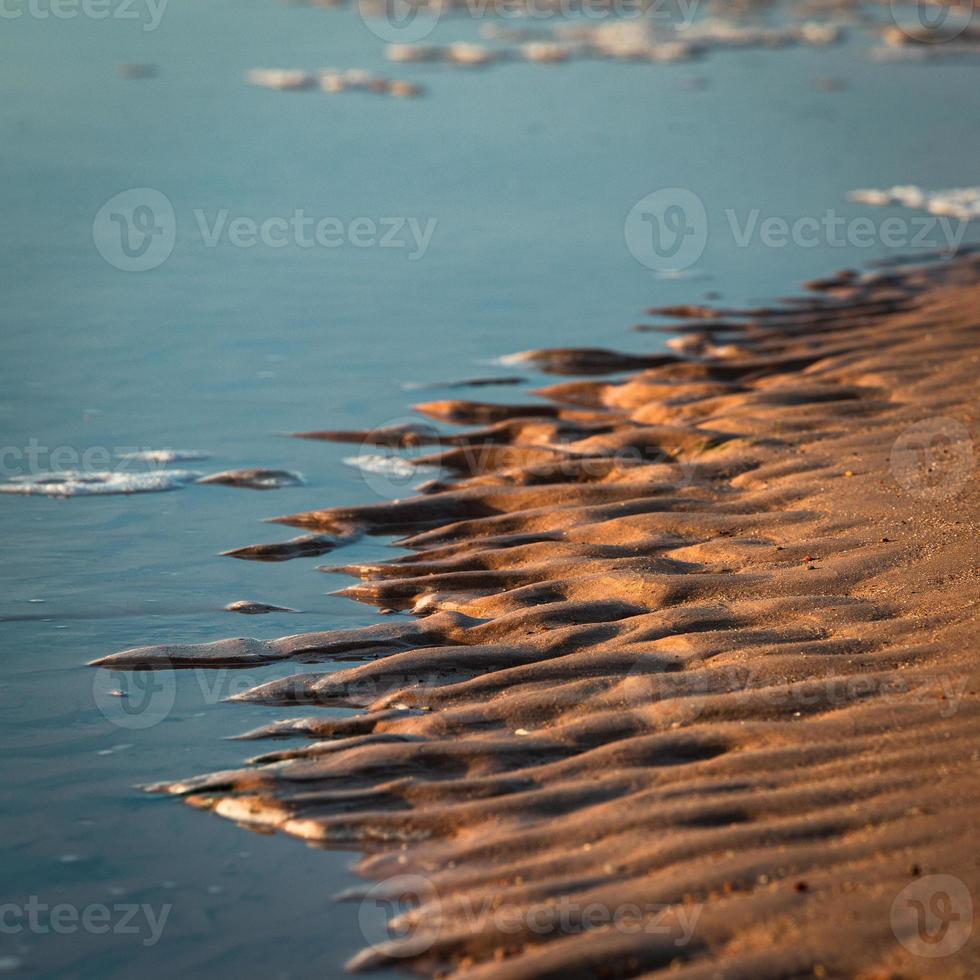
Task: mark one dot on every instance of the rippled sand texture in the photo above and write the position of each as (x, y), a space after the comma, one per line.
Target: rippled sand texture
(700, 638)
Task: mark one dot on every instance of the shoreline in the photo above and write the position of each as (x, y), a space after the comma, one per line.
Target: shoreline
(697, 637)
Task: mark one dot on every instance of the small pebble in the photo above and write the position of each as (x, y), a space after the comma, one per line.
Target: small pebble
(405, 90)
(138, 71)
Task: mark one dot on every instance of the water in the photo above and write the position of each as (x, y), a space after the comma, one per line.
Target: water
(528, 171)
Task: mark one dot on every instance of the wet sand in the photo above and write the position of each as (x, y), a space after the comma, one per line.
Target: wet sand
(698, 641)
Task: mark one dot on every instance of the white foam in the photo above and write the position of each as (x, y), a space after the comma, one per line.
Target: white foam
(73, 483)
(509, 360)
(165, 456)
(387, 465)
(284, 79)
(691, 275)
(956, 202)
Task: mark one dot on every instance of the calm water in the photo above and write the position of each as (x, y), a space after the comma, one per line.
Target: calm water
(528, 172)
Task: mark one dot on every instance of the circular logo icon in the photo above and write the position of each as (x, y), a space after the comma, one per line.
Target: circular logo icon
(933, 458)
(681, 692)
(667, 230)
(386, 915)
(384, 458)
(135, 231)
(933, 916)
(933, 22)
(400, 21)
(135, 699)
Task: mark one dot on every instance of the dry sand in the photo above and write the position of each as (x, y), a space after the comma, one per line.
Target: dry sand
(695, 648)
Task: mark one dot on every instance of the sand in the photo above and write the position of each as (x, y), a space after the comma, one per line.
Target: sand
(691, 686)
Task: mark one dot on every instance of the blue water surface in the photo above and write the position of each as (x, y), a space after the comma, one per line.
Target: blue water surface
(528, 171)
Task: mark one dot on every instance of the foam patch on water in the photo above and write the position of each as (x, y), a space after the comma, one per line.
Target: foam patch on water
(690, 275)
(387, 465)
(509, 360)
(73, 483)
(165, 456)
(957, 202)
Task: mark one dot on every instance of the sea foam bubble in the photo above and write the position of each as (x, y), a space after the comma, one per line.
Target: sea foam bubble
(75, 483)
(164, 456)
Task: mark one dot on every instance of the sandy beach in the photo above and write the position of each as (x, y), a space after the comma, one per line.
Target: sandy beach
(690, 685)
